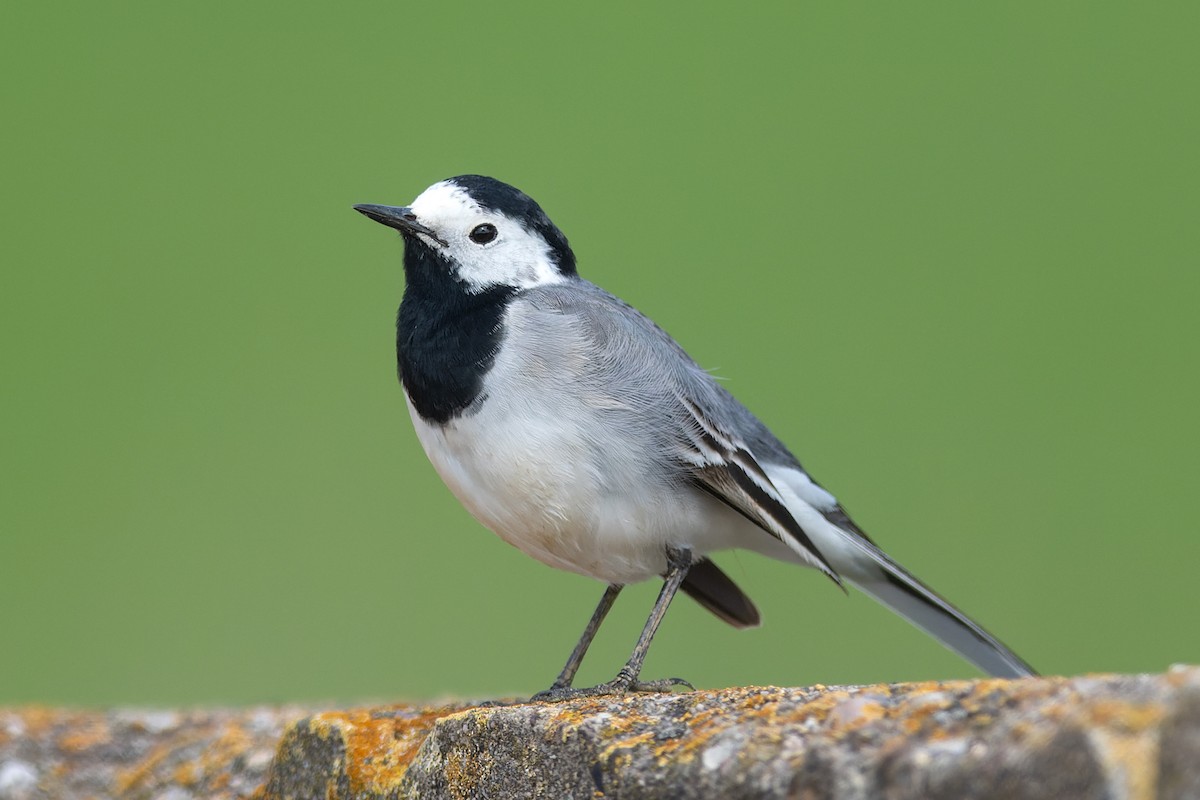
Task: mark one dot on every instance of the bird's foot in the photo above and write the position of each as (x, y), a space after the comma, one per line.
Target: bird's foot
(623, 684)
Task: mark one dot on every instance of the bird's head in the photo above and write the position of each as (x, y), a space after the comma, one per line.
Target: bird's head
(487, 233)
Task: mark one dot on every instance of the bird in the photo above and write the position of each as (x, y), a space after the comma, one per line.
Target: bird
(580, 432)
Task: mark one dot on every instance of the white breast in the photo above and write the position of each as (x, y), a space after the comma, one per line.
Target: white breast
(565, 473)
(538, 486)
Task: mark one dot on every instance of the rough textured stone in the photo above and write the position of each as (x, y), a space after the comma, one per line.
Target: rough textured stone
(1121, 737)
(158, 755)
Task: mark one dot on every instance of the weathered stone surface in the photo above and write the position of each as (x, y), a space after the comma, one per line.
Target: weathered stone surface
(1120, 737)
(159, 755)
(1092, 737)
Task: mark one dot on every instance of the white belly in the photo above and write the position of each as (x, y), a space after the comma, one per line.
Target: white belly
(546, 491)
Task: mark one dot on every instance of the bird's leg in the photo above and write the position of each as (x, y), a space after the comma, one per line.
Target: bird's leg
(679, 560)
(585, 641)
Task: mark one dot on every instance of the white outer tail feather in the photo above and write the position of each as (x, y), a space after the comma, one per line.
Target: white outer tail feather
(921, 606)
(868, 568)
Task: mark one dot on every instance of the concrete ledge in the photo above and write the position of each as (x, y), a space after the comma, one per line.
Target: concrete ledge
(1095, 736)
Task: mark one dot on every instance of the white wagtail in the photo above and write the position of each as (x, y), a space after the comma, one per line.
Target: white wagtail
(578, 431)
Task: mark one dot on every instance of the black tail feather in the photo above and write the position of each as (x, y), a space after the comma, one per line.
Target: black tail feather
(710, 587)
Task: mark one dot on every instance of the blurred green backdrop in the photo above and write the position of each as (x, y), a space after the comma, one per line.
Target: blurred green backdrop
(947, 251)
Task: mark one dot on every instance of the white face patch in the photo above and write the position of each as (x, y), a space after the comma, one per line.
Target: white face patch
(515, 257)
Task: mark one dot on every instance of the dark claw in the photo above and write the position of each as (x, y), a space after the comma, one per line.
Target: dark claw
(664, 685)
(620, 685)
(552, 695)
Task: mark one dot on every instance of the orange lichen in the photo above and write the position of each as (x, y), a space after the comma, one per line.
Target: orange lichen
(211, 767)
(379, 746)
(840, 711)
(37, 719)
(915, 719)
(462, 777)
(90, 732)
(186, 774)
(867, 712)
(627, 731)
(127, 779)
(1125, 717)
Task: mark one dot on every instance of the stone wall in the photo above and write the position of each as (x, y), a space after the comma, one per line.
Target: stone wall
(1134, 737)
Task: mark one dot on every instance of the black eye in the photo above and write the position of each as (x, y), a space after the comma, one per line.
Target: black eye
(482, 234)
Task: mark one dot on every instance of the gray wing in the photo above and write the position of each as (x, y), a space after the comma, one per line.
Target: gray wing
(704, 431)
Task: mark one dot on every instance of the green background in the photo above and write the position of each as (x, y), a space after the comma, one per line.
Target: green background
(946, 250)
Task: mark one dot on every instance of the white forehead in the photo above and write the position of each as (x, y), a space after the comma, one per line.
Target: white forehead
(445, 202)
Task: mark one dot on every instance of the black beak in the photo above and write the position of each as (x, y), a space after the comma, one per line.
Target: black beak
(402, 219)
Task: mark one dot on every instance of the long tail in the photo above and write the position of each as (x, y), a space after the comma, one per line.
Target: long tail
(895, 587)
(861, 563)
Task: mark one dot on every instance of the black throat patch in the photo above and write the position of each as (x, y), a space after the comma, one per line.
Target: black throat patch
(446, 337)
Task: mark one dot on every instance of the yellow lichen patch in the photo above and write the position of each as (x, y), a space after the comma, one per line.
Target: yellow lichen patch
(982, 696)
(37, 719)
(819, 709)
(142, 772)
(1125, 717)
(379, 746)
(713, 713)
(569, 716)
(186, 774)
(717, 712)
(615, 751)
(1131, 759)
(922, 687)
(701, 725)
(725, 709)
(327, 723)
(85, 733)
(840, 710)
(461, 777)
(210, 767)
(213, 763)
(757, 699)
(916, 715)
(854, 714)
